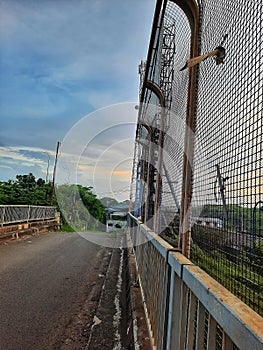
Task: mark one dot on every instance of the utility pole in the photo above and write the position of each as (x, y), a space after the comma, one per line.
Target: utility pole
(254, 225)
(54, 174)
(221, 182)
(48, 161)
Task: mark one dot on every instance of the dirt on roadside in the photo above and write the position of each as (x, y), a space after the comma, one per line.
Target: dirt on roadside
(103, 318)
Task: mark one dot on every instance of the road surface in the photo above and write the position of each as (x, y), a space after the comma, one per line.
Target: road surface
(50, 286)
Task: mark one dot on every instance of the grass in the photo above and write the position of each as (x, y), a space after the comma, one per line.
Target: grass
(238, 277)
(67, 228)
(241, 274)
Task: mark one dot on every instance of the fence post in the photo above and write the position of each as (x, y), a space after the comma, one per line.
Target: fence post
(28, 213)
(191, 10)
(3, 216)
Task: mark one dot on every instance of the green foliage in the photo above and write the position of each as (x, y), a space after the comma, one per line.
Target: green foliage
(237, 275)
(92, 203)
(258, 251)
(67, 228)
(255, 255)
(217, 238)
(80, 207)
(171, 232)
(25, 190)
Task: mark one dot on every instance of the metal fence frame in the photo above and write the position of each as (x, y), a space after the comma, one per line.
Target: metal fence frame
(11, 214)
(186, 309)
(237, 253)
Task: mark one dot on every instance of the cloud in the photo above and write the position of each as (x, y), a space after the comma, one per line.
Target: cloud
(5, 167)
(61, 60)
(24, 160)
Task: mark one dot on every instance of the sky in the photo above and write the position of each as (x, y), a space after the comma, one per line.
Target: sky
(63, 64)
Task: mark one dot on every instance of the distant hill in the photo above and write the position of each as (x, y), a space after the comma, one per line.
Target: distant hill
(108, 202)
(111, 202)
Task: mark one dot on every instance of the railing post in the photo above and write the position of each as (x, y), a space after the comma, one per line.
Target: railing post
(190, 338)
(200, 326)
(211, 337)
(177, 314)
(3, 216)
(167, 280)
(191, 10)
(28, 213)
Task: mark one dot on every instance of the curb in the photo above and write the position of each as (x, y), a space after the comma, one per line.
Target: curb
(141, 338)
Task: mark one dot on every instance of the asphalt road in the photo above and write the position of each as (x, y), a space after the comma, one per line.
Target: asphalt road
(44, 281)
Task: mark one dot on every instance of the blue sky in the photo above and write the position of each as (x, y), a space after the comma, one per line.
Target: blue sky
(61, 60)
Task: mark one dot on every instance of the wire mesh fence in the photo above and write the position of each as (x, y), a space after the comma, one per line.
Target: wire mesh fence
(226, 186)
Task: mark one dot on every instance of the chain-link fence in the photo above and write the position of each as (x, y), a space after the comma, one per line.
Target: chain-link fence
(199, 140)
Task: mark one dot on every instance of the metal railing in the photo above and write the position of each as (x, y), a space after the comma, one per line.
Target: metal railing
(186, 309)
(11, 214)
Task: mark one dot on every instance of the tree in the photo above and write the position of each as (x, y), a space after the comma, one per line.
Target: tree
(80, 207)
(25, 190)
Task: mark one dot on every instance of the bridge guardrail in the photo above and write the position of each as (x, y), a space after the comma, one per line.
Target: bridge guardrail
(185, 307)
(197, 169)
(11, 214)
